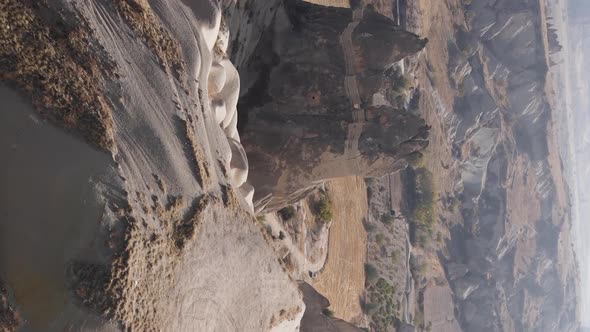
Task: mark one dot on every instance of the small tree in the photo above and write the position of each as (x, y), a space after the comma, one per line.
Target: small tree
(324, 210)
(371, 272)
(287, 212)
(387, 218)
(370, 308)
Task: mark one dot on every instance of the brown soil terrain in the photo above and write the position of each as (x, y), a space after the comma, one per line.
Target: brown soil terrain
(343, 279)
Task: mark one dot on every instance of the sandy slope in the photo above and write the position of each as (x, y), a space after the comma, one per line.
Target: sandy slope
(226, 268)
(342, 280)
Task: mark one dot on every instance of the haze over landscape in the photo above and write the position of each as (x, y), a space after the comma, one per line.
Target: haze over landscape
(295, 165)
(576, 90)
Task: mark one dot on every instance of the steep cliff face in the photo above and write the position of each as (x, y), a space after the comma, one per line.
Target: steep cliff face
(308, 113)
(513, 242)
(154, 231)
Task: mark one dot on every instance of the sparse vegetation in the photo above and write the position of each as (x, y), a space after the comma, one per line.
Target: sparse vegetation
(383, 309)
(422, 193)
(287, 212)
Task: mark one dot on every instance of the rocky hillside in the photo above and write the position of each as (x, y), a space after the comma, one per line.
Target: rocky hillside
(498, 256)
(514, 242)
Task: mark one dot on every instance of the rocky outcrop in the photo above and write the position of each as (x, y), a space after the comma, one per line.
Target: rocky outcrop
(309, 113)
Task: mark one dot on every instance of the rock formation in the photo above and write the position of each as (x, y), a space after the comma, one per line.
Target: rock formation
(309, 113)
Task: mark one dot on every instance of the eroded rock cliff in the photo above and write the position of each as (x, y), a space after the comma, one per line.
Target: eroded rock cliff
(514, 240)
(310, 115)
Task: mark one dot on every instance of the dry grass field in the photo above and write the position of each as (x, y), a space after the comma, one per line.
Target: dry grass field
(343, 279)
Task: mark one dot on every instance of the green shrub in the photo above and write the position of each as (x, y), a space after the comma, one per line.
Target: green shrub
(287, 212)
(421, 238)
(324, 210)
(387, 218)
(379, 238)
(371, 272)
(369, 193)
(469, 16)
(369, 227)
(425, 215)
(328, 312)
(268, 229)
(370, 308)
